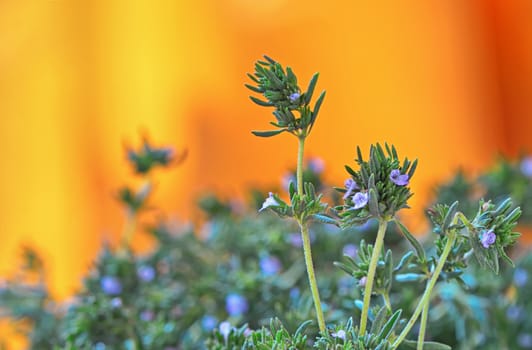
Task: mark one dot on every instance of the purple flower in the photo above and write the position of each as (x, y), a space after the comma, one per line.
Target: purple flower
(398, 178)
(350, 186)
(340, 334)
(525, 340)
(514, 312)
(208, 322)
(317, 165)
(360, 199)
(294, 97)
(526, 166)
(269, 202)
(147, 315)
(295, 240)
(236, 304)
(270, 265)
(362, 281)
(487, 239)
(350, 250)
(116, 303)
(294, 293)
(111, 285)
(520, 277)
(146, 273)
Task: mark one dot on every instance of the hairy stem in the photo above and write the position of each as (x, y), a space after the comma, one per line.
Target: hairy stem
(428, 290)
(377, 248)
(306, 242)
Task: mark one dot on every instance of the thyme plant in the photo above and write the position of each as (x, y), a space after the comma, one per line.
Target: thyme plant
(377, 190)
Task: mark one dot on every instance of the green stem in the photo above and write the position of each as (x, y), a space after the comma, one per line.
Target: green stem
(299, 170)
(377, 248)
(312, 277)
(306, 242)
(423, 326)
(428, 290)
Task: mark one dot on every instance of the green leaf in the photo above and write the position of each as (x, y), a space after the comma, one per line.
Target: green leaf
(427, 345)
(390, 325)
(373, 202)
(325, 219)
(254, 88)
(451, 212)
(261, 102)
(316, 110)
(268, 133)
(413, 241)
(310, 89)
(379, 320)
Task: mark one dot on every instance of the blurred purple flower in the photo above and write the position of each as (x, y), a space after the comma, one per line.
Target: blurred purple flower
(360, 199)
(524, 340)
(350, 186)
(270, 265)
(147, 315)
(236, 304)
(488, 239)
(294, 293)
(350, 250)
(362, 281)
(146, 273)
(208, 322)
(514, 312)
(526, 166)
(520, 277)
(295, 240)
(116, 303)
(111, 285)
(398, 178)
(317, 165)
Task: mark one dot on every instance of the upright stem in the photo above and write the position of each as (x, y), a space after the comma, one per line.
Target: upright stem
(377, 248)
(423, 326)
(306, 242)
(428, 290)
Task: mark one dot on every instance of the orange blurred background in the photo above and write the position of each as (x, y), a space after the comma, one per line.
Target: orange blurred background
(448, 82)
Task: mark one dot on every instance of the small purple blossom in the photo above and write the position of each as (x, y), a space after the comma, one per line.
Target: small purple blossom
(294, 293)
(317, 165)
(520, 277)
(116, 303)
(362, 281)
(340, 334)
(360, 199)
(111, 285)
(398, 178)
(295, 240)
(146, 273)
(514, 312)
(147, 315)
(524, 340)
(294, 97)
(208, 322)
(236, 304)
(350, 186)
(225, 328)
(269, 202)
(350, 250)
(526, 167)
(270, 265)
(488, 239)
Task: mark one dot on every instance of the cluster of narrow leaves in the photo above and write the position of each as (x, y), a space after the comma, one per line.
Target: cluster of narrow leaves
(381, 196)
(280, 88)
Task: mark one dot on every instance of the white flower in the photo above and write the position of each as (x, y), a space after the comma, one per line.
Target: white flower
(269, 202)
(225, 329)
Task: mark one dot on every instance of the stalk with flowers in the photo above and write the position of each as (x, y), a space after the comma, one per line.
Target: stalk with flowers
(377, 190)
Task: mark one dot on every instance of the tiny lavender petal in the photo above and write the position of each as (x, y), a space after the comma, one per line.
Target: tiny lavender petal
(360, 199)
(111, 285)
(270, 265)
(340, 334)
(350, 186)
(317, 165)
(146, 273)
(526, 166)
(225, 329)
(362, 282)
(236, 304)
(294, 97)
(269, 202)
(350, 250)
(398, 178)
(487, 239)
